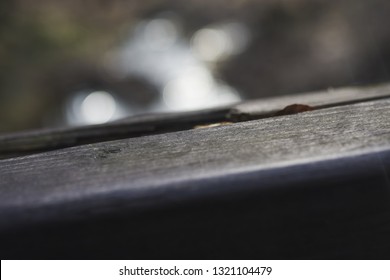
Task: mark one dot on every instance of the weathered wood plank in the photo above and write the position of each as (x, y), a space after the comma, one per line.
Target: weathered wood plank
(143, 162)
(323, 99)
(24, 143)
(43, 140)
(318, 179)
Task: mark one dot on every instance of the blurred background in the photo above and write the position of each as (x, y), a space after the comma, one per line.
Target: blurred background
(69, 63)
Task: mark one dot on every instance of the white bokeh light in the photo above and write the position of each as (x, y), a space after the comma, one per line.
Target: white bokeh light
(218, 42)
(98, 107)
(184, 71)
(196, 89)
(190, 91)
(210, 44)
(159, 33)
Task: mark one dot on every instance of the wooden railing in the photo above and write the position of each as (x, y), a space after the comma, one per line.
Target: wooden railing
(237, 182)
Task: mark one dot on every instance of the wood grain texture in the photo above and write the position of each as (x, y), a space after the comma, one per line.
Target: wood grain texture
(322, 99)
(25, 143)
(306, 182)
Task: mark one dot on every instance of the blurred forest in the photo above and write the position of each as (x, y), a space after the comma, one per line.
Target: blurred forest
(65, 63)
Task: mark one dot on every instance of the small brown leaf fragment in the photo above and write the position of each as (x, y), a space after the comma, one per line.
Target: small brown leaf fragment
(294, 109)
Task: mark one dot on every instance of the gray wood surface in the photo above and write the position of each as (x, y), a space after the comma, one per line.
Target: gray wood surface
(309, 185)
(35, 141)
(25, 143)
(157, 162)
(323, 99)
